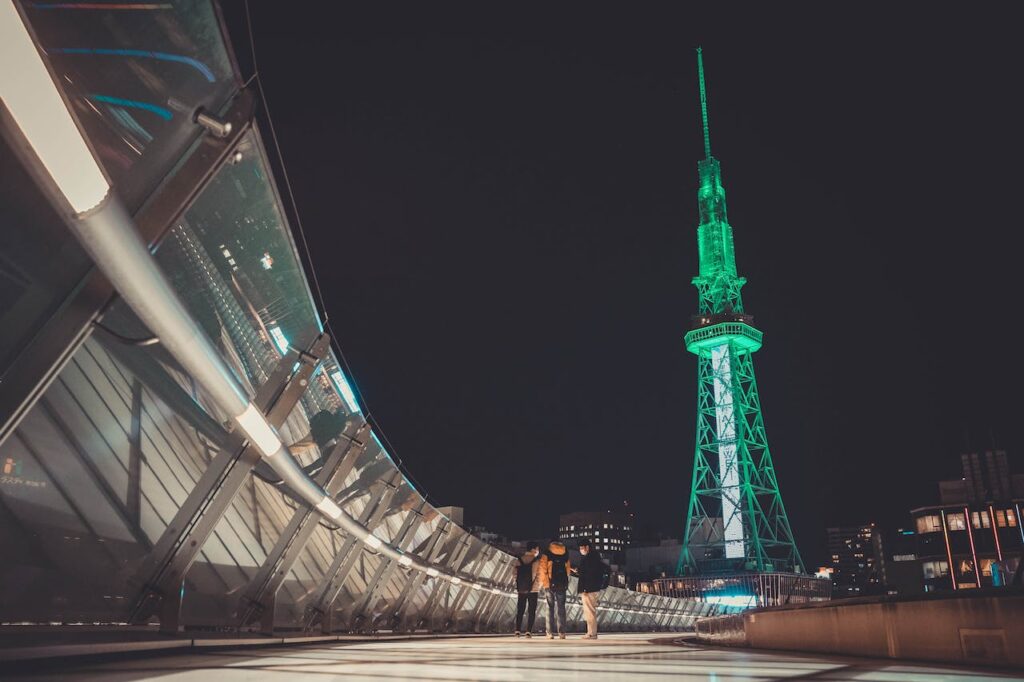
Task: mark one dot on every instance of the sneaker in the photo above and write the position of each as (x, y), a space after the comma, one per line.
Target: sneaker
(550, 636)
(517, 633)
(529, 635)
(561, 635)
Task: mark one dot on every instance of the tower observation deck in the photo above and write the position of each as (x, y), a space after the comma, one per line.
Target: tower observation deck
(736, 520)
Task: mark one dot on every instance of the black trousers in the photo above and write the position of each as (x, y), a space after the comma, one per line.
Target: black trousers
(524, 599)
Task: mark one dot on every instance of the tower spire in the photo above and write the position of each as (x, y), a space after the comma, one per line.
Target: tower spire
(736, 521)
(703, 104)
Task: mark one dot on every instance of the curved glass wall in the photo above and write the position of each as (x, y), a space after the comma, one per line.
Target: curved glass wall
(125, 494)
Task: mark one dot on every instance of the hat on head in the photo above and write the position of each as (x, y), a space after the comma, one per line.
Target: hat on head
(583, 542)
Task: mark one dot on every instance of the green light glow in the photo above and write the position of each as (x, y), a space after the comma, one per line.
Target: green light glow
(733, 472)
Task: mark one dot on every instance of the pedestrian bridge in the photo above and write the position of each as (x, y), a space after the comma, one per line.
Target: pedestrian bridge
(186, 469)
(181, 444)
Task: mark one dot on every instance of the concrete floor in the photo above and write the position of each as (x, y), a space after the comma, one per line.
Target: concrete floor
(612, 657)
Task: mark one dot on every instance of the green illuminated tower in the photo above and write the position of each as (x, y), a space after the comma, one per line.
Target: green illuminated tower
(736, 520)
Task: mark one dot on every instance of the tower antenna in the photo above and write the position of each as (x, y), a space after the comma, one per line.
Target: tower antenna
(703, 104)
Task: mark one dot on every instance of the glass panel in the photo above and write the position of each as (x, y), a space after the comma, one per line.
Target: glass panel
(97, 470)
(40, 264)
(233, 261)
(135, 74)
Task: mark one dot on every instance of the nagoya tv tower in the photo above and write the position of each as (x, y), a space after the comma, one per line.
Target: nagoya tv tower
(736, 521)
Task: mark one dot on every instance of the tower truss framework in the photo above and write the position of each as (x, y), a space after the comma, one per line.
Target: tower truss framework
(736, 519)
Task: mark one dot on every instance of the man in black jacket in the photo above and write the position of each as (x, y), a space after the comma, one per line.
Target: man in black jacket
(591, 574)
(527, 585)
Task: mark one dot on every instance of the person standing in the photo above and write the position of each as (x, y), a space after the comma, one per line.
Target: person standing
(555, 569)
(527, 584)
(591, 574)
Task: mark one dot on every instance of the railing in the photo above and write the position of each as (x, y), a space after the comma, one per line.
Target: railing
(746, 590)
(702, 334)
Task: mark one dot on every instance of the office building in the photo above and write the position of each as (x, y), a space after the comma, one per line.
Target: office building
(856, 562)
(609, 531)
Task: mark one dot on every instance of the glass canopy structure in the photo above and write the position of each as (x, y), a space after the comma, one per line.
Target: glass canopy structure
(179, 443)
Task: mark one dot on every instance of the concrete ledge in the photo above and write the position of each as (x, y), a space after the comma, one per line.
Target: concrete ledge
(975, 627)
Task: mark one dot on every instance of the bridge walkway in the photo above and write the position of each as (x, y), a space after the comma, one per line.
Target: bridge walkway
(612, 657)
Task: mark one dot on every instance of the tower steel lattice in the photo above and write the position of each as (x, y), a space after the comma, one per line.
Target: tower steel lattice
(736, 519)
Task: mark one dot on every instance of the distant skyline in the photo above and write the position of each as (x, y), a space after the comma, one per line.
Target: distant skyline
(501, 207)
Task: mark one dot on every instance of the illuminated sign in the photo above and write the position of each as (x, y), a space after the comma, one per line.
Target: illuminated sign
(11, 474)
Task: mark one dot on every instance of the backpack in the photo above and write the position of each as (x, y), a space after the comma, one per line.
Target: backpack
(559, 577)
(524, 577)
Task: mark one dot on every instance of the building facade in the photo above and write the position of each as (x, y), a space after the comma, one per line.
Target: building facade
(609, 531)
(856, 560)
(973, 537)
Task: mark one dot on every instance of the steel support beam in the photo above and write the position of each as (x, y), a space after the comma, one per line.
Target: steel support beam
(464, 590)
(330, 586)
(161, 575)
(434, 546)
(58, 339)
(487, 612)
(387, 567)
(441, 586)
(259, 598)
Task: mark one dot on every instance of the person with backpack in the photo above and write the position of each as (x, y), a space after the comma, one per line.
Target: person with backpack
(527, 585)
(591, 575)
(555, 569)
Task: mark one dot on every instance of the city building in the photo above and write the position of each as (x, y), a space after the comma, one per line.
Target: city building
(856, 560)
(609, 531)
(973, 537)
(901, 569)
(651, 560)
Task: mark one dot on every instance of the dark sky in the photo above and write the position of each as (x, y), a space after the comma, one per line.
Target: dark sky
(500, 201)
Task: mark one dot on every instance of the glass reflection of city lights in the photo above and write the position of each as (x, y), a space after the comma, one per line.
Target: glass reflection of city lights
(279, 339)
(345, 389)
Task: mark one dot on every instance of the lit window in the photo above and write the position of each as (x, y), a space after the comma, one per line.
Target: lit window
(1001, 518)
(976, 519)
(935, 569)
(1011, 518)
(929, 524)
(986, 566)
(957, 521)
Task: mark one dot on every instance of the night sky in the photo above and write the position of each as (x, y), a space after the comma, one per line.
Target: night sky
(501, 207)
